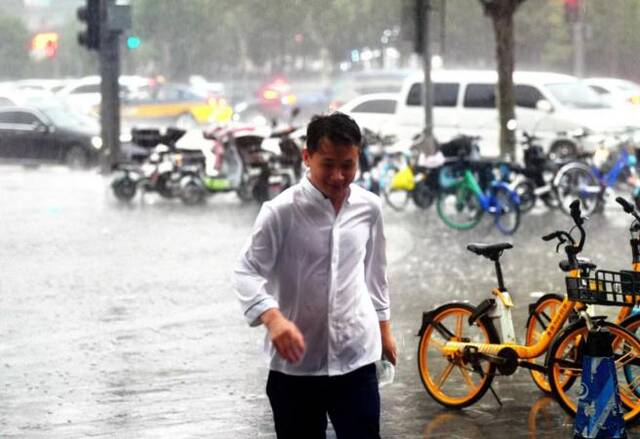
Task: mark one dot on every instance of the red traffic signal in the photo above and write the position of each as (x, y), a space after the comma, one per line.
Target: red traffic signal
(44, 45)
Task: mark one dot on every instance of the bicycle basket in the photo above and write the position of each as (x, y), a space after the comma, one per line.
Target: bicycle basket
(617, 288)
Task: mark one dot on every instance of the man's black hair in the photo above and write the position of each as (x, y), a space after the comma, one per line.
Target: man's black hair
(337, 127)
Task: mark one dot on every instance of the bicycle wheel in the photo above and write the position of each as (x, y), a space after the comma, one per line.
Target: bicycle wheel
(543, 312)
(632, 374)
(451, 381)
(459, 208)
(565, 360)
(423, 195)
(507, 211)
(526, 191)
(575, 181)
(397, 198)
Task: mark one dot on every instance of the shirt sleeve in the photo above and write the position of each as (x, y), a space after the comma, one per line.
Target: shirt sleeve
(256, 264)
(376, 268)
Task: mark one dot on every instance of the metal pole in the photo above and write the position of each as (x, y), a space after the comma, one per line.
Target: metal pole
(428, 145)
(110, 106)
(443, 24)
(578, 42)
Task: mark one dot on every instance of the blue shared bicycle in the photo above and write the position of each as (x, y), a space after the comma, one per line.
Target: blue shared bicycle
(591, 183)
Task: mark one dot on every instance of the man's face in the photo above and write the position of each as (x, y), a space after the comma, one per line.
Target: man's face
(332, 168)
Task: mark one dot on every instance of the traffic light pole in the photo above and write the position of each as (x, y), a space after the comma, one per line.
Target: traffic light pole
(424, 8)
(578, 41)
(105, 20)
(110, 107)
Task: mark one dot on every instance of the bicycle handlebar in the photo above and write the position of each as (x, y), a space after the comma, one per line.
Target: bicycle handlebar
(626, 206)
(559, 234)
(571, 249)
(631, 210)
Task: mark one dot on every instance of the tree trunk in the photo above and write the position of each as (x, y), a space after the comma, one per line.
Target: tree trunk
(503, 26)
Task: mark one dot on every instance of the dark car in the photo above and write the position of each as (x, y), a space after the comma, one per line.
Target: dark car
(49, 134)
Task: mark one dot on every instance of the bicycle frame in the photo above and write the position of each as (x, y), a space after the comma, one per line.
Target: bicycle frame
(488, 202)
(609, 178)
(522, 351)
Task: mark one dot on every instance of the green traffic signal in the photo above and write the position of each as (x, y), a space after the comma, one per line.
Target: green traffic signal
(133, 42)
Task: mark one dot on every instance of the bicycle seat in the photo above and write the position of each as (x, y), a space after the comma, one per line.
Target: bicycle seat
(489, 251)
(583, 263)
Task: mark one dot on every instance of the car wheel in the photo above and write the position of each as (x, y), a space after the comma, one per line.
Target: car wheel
(76, 158)
(186, 121)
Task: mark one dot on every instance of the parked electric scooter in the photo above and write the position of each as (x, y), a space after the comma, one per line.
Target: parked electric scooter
(236, 161)
(161, 171)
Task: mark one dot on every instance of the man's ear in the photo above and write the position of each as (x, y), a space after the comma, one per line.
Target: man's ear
(306, 156)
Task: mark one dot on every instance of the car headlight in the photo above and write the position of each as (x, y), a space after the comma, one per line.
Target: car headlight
(96, 142)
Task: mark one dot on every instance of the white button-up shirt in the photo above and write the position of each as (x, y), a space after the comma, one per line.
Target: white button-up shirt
(324, 271)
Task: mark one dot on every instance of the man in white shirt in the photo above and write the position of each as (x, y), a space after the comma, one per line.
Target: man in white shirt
(314, 273)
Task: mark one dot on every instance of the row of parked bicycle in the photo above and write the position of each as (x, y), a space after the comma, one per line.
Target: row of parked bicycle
(463, 347)
(464, 186)
(258, 163)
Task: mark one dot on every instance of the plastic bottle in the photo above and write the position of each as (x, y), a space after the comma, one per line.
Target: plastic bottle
(385, 371)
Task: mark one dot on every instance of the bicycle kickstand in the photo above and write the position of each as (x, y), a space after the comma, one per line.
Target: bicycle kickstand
(478, 369)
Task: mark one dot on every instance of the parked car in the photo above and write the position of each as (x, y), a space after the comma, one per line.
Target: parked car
(353, 84)
(84, 94)
(464, 102)
(619, 93)
(11, 97)
(375, 111)
(48, 133)
(46, 85)
(175, 104)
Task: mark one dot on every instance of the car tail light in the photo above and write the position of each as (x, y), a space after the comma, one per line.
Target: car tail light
(289, 99)
(270, 95)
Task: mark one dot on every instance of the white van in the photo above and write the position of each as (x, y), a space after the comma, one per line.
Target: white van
(546, 104)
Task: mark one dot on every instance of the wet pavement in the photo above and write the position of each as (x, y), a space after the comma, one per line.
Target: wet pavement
(119, 320)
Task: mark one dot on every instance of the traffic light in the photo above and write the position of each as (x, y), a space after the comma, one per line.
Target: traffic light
(90, 14)
(44, 45)
(572, 10)
(133, 42)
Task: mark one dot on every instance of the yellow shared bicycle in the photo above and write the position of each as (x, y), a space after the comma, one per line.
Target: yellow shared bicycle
(461, 351)
(545, 308)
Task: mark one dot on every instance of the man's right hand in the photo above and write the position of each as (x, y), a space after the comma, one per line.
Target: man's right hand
(284, 334)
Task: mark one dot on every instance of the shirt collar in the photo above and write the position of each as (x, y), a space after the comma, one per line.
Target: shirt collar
(316, 194)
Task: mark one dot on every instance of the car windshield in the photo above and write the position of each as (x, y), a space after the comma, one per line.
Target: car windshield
(62, 116)
(576, 95)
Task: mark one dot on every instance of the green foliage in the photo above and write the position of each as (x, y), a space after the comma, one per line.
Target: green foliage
(14, 46)
(612, 36)
(542, 38)
(225, 38)
(216, 36)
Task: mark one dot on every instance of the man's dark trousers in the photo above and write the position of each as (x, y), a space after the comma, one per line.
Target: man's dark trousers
(300, 404)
